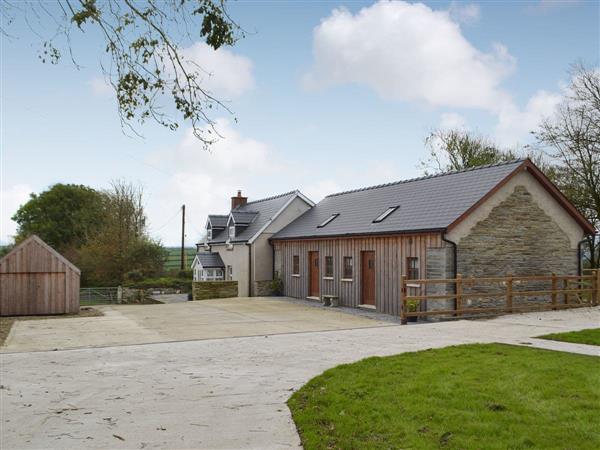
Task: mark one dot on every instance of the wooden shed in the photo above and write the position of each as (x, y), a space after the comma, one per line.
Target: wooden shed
(36, 279)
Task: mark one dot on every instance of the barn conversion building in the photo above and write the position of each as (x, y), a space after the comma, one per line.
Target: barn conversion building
(482, 222)
(36, 279)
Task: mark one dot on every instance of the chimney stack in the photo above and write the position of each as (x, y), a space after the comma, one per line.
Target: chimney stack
(238, 200)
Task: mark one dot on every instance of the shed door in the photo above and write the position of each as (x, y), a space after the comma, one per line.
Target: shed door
(367, 280)
(314, 274)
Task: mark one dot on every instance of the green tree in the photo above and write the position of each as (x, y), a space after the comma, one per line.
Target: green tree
(143, 41)
(65, 216)
(571, 138)
(451, 150)
(122, 244)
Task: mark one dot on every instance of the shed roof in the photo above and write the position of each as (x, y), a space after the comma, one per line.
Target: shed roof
(428, 203)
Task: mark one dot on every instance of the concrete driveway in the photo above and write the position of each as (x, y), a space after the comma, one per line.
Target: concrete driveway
(216, 393)
(208, 319)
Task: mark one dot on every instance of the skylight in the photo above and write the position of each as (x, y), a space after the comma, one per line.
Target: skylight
(326, 221)
(386, 213)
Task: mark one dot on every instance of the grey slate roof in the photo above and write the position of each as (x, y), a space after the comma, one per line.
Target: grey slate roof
(243, 217)
(261, 211)
(218, 220)
(210, 260)
(427, 203)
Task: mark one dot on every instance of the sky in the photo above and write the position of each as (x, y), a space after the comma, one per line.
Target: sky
(325, 96)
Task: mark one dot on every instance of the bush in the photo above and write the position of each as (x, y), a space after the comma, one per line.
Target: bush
(277, 285)
(183, 284)
(134, 275)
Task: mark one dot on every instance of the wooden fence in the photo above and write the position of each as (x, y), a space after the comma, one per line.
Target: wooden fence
(556, 292)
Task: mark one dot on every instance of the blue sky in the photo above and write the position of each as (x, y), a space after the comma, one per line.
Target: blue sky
(328, 96)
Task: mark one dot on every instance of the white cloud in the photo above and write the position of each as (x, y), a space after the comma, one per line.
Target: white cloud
(515, 124)
(464, 12)
(10, 200)
(408, 52)
(450, 121)
(319, 190)
(100, 87)
(221, 71)
(205, 181)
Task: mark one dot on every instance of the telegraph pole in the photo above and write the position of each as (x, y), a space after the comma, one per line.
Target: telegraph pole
(182, 237)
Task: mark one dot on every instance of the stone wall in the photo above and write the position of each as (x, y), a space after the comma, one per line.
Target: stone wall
(262, 288)
(518, 238)
(205, 290)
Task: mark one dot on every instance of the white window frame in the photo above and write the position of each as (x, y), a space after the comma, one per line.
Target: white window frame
(209, 234)
(328, 220)
(231, 231)
(229, 273)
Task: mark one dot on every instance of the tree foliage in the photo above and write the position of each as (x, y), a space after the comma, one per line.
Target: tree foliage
(65, 216)
(451, 150)
(102, 232)
(571, 138)
(143, 41)
(122, 244)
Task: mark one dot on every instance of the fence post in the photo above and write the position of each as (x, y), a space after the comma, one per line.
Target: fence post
(403, 320)
(509, 293)
(566, 294)
(119, 294)
(459, 291)
(595, 287)
(554, 286)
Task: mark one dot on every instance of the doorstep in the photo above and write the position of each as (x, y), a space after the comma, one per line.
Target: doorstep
(313, 299)
(369, 307)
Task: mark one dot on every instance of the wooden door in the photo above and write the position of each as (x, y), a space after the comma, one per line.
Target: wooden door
(314, 275)
(367, 280)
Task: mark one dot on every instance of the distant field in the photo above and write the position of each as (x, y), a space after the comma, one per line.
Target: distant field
(173, 261)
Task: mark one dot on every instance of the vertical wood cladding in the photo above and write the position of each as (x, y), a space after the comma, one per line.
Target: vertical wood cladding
(390, 256)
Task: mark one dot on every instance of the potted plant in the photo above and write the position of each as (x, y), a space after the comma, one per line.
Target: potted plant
(412, 306)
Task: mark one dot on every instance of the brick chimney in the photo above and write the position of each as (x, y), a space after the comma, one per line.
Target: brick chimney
(238, 200)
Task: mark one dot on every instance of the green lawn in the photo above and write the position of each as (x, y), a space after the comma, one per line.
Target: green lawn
(590, 336)
(465, 397)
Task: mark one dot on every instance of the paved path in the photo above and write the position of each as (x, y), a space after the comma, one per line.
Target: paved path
(170, 298)
(221, 393)
(207, 319)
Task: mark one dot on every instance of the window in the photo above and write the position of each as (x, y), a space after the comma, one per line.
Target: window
(386, 213)
(326, 221)
(231, 232)
(209, 234)
(296, 265)
(412, 268)
(230, 273)
(329, 266)
(348, 267)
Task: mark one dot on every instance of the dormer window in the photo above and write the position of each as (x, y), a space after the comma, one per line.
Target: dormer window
(209, 234)
(231, 232)
(386, 213)
(327, 221)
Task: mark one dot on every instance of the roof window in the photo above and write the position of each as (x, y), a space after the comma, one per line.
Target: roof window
(386, 213)
(326, 221)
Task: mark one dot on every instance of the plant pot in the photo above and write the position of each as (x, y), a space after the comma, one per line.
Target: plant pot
(326, 301)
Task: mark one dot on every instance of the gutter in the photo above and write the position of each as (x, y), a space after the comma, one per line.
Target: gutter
(249, 269)
(455, 262)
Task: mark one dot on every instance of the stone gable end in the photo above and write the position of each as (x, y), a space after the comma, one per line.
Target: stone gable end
(517, 237)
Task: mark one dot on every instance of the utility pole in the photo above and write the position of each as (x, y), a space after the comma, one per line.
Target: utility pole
(182, 237)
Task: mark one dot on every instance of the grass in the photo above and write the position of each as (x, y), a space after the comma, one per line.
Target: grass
(590, 336)
(489, 396)
(6, 323)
